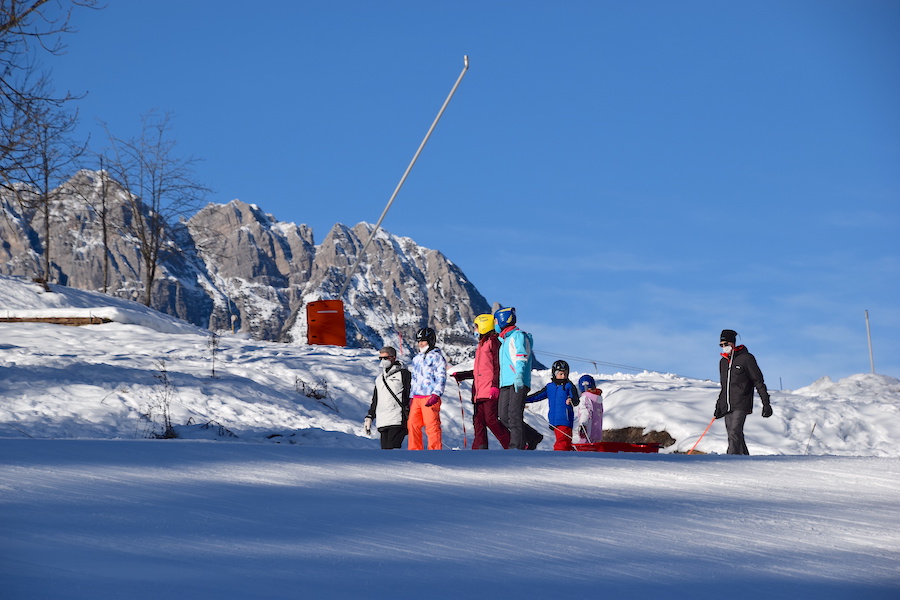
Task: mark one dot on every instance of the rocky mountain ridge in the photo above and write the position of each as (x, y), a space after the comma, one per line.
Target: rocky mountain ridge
(233, 267)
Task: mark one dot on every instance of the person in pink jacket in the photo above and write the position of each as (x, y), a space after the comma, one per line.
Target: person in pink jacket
(589, 428)
(486, 385)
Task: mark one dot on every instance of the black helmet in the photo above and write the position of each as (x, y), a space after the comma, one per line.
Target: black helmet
(560, 365)
(427, 334)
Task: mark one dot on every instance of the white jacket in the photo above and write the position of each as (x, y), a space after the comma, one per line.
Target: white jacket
(384, 408)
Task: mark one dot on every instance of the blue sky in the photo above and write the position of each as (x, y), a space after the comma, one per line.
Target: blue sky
(632, 176)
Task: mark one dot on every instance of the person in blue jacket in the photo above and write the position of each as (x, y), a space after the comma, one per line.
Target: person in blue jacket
(562, 398)
(515, 380)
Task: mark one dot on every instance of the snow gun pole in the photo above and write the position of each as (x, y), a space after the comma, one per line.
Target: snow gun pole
(869, 336)
(462, 413)
(810, 438)
(403, 179)
(701, 435)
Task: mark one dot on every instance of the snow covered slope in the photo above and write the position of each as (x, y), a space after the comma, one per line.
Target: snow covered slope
(128, 379)
(102, 520)
(307, 507)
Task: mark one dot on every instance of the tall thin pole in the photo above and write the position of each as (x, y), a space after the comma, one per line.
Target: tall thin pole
(811, 431)
(869, 335)
(403, 179)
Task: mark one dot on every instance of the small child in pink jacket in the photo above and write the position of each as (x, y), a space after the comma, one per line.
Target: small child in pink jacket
(589, 428)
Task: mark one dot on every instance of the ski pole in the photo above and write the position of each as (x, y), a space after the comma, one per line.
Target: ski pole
(555, 428)
(584, 434)
(552, 426)
(462, 413)
(702, 434)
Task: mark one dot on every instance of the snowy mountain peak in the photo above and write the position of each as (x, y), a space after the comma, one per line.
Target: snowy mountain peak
(233, 266)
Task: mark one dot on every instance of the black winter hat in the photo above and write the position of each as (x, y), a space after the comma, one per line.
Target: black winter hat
(728, 335)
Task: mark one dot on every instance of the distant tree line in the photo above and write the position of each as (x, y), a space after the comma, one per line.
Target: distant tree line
(39, 153)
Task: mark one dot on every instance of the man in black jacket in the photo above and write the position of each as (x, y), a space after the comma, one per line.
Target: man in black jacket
(739, 374)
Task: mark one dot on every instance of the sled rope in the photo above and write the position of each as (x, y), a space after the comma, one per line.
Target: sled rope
(702, 434)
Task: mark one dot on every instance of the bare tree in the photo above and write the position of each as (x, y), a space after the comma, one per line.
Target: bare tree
(101, 203)
(103, 213)
(53, 153)
(28, 28)
(161, 190)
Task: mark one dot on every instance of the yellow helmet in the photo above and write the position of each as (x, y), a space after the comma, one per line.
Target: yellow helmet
(484, 323)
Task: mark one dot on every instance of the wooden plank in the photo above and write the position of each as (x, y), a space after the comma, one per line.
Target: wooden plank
(72, 321)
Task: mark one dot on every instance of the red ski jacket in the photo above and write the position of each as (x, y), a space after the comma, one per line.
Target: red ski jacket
(487, 366)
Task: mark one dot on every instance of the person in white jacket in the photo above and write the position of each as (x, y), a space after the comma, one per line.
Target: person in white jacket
(390, 400)
(589, 427)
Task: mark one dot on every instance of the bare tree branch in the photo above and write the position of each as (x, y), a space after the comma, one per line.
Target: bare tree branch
(25, 93)
(162, 189)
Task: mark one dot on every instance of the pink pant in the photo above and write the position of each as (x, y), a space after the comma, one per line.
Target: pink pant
(484, 418)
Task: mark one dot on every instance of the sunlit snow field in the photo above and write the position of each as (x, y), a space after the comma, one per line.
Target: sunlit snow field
(274, 493)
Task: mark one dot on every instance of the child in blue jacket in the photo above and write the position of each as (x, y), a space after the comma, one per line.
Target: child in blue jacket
(562, 396)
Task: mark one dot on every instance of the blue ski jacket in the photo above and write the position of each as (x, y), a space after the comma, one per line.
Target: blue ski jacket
(557, 392)
(515, 357)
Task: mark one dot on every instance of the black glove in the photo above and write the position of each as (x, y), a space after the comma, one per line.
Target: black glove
(461, 376)
(718, 412)
(767, 411)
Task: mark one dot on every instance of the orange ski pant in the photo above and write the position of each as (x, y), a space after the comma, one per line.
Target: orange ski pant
(428, 417)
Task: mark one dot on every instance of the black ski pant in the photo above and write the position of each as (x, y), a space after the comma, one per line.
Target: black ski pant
(392, 436)
(734, 427)
(511, 410)
(531, 435)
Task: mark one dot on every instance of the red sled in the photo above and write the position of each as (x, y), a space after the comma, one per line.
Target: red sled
(617, 447)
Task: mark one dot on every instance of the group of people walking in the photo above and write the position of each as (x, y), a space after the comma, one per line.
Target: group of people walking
(406, 401)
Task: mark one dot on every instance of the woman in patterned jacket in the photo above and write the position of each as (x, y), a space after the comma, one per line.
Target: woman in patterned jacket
(429, 375)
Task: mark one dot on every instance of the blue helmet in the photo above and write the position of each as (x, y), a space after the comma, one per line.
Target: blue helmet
(585, 383)
(503, 318)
